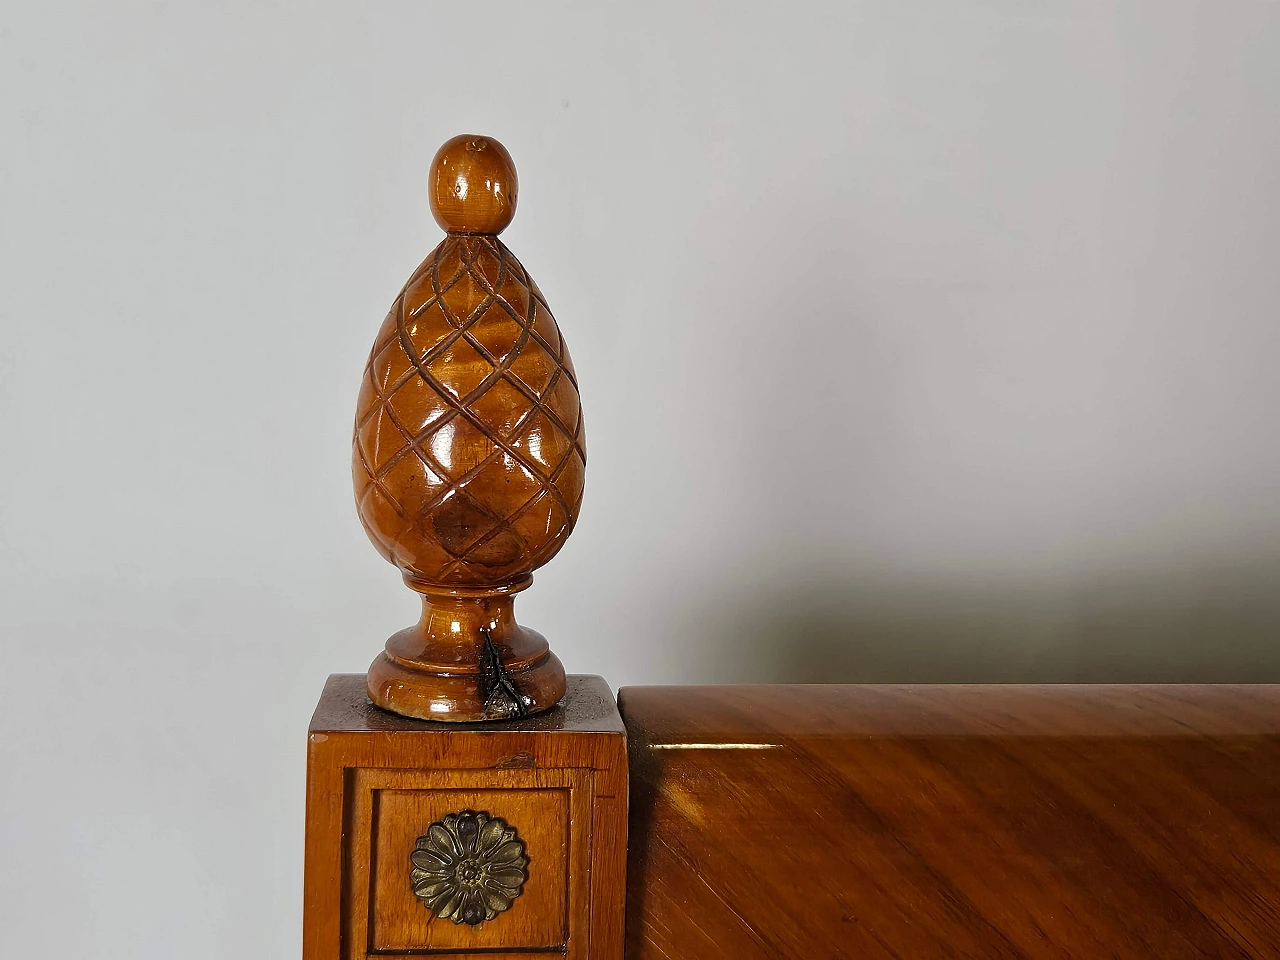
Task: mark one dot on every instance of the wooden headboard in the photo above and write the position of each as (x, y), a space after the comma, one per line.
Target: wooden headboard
(778, 822)
(953, 821)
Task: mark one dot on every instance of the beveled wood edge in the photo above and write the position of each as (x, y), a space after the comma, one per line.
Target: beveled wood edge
(598, 715)
(966, 710)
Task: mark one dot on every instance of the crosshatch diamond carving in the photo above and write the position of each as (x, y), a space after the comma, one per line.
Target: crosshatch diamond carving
(469, 455)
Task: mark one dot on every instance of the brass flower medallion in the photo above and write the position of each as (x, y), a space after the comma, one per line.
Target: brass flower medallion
(469, 867)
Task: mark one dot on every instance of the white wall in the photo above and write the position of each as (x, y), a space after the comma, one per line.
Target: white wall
(928, 340)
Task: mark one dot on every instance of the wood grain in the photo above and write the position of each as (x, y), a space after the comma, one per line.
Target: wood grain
(469, 455)
(405, 803)
(376, 781)
(954, 821)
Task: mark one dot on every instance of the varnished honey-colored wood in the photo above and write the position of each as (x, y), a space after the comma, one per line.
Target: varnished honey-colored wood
(377, 781)
(954, 821)
(400, 805)
(467, 657)
(469, 456)
(474, 187)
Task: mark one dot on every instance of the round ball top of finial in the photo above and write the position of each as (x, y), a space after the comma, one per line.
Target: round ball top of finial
(473, 185)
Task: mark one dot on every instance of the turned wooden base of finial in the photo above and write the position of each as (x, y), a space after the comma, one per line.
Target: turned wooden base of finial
(467, 659)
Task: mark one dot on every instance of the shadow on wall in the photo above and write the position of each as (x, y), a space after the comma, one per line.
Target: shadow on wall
(1211, 623)
(1022, 435)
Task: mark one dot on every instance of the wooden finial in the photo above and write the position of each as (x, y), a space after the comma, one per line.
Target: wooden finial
(469, 456)
(473, 186)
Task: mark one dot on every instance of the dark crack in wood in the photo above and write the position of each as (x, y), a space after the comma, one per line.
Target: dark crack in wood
(502, 698)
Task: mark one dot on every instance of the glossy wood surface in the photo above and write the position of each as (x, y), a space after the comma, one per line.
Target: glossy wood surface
(469, 455)
(400, 805)
(954, 821)
(376, 781)
(473, 185)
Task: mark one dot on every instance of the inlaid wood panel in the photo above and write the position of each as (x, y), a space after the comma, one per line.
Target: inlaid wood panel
(392, 809)
(957, 821)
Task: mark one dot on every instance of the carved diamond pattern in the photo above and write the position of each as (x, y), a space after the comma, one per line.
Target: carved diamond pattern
(469, 453)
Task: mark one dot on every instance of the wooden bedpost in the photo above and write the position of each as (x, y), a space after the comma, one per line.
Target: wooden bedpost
(466, 799)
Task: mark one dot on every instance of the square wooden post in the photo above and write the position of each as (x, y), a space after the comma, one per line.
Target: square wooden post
(527, 855)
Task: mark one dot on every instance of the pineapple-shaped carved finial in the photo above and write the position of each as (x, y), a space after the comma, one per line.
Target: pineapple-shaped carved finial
(469, 455)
